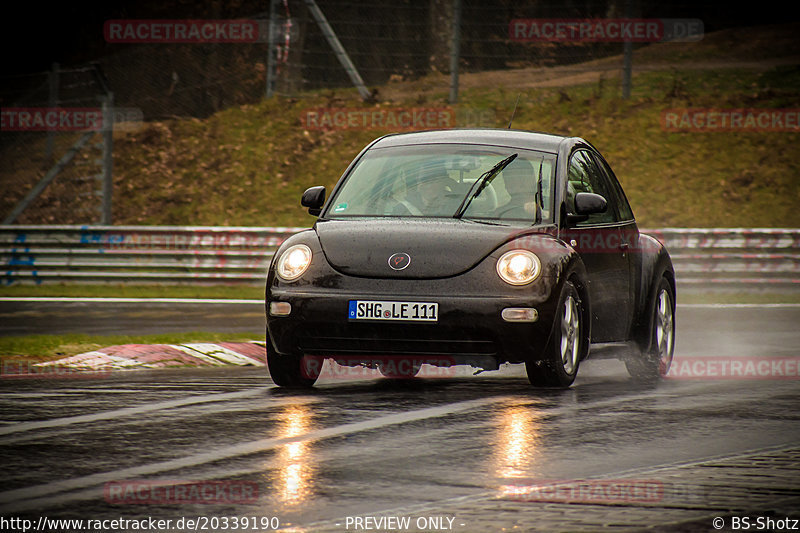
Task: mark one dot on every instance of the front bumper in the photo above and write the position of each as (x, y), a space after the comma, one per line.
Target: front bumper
(468, 327)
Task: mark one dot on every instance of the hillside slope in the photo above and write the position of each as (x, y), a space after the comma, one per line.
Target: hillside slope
(248, 165)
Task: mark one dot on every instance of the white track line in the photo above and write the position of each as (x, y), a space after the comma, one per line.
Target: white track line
(128, 300)
(742, 306)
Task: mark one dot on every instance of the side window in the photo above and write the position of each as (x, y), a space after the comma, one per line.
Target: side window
(624, 208)
(585, 176)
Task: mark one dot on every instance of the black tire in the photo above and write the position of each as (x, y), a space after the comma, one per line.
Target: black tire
(289, 370)
(559, 364)
(655, 357)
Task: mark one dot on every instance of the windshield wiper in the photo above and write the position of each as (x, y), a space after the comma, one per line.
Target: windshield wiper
(481, 184)
(484, 221)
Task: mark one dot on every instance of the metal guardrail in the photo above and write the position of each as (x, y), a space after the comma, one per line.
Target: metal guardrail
(137, 254)
(739, 258)
(733, 257)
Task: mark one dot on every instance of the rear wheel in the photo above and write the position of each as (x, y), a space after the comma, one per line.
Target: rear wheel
(559, 365)
(655, 362)
(291, 371)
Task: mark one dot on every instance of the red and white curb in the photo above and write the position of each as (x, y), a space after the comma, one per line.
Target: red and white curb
(142, 356)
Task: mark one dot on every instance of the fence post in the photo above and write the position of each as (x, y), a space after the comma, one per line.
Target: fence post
(455, 51)
(52, 101)
(627, 62)
(273, 11)
(108, 160)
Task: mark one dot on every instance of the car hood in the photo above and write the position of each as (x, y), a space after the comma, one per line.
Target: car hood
(437, 248)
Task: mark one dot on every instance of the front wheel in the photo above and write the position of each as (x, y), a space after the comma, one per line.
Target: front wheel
(291, 371)
(559, 365)
(654, 363)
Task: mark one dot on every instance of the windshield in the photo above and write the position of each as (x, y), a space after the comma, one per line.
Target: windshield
(433, 181)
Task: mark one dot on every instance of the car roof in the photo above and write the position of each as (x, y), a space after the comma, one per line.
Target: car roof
(544, 142)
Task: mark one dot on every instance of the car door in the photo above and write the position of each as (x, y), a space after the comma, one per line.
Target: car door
(599, 241)
(629, 233)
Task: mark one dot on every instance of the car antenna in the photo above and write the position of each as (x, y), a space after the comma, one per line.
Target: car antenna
(514, 112)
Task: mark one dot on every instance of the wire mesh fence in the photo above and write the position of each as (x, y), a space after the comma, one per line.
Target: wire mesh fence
(387, 40)
(45, 115)
(156, 66)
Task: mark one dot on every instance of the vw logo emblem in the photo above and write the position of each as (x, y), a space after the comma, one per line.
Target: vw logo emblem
(399, 261)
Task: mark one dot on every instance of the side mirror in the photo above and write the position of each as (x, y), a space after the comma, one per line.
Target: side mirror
(586, 203)
(314, 199)
(589, 203)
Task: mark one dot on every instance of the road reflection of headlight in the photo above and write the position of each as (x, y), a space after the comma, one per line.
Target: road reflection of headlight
(295, 470)
(517, 446)
(294, 262)
(518, 267)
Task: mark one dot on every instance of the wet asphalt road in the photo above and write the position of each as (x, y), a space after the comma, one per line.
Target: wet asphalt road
(364, 446)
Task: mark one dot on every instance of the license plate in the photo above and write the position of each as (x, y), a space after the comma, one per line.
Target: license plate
(406, 311)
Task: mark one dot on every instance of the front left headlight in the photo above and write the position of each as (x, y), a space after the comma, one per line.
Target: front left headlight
(518, 267)
(294, 262)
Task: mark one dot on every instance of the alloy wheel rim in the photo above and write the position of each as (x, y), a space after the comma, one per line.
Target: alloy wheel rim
(570, 330)
(665, 334)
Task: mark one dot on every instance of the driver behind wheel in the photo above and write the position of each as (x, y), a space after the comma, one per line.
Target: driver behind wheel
(519, 180)
(433, 195)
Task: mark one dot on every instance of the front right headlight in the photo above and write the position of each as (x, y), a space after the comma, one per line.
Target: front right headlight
(294, 262)
(518, 267)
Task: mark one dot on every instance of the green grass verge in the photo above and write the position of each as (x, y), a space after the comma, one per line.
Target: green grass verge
(50, 347)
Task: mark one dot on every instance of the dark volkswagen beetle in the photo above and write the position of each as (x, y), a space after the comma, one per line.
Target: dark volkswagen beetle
(471, 247)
